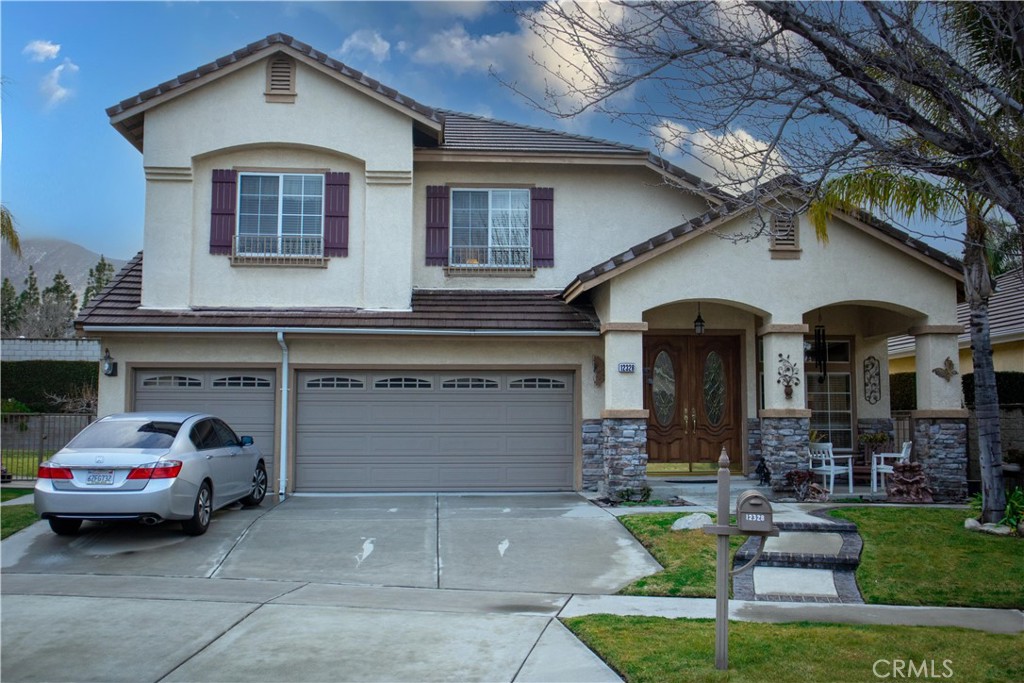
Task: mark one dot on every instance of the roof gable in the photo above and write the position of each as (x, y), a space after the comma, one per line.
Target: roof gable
(734, 208)
(127, 115)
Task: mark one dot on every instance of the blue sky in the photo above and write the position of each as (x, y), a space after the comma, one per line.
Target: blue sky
(64, 63)
(65, 172)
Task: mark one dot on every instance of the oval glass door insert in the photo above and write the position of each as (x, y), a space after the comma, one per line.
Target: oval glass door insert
(714, 389)
(664, 389)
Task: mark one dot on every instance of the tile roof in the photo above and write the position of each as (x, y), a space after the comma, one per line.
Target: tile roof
(466, 132)
(119, 305)
(1005, 316)
(735, 206)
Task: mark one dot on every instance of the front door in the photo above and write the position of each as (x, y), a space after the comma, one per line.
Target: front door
(693, 398)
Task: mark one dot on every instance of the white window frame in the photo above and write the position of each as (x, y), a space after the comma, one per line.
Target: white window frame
(281, 243)
(520, 256)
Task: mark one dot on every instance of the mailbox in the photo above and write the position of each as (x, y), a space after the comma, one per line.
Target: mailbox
(753, 513)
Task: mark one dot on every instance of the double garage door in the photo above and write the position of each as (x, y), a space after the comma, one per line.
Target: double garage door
(396, 430)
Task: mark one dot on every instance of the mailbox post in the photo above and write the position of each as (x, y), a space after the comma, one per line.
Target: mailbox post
(753, 518)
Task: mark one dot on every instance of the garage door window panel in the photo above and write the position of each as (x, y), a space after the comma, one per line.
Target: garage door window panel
(401, 383)
(241, 382)
(470, 383)
(537, 383)
(173, 381)
(335, 383)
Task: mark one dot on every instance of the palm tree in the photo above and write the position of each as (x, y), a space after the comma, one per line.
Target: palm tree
(7, 231)
(907, 195)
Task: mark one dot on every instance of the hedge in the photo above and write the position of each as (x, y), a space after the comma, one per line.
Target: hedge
(903, 391)
(29, 381)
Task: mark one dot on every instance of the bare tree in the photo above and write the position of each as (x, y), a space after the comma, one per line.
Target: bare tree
(755, 89)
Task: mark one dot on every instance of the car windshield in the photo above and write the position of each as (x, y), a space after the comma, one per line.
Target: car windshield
(127, 434)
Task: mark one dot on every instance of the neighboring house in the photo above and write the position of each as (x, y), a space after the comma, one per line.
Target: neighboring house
(391, 297)
(1006, 329)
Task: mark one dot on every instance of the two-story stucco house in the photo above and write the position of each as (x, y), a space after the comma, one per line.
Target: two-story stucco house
(392, 297)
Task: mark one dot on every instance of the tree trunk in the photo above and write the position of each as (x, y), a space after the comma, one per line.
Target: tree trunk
(978, 288)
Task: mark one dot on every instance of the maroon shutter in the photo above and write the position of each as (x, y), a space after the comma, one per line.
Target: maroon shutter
(222, 210)
(437, 225)
(336, 214)
(542, 226)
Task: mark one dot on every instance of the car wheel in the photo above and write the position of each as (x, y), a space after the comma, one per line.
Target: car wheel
(201, 512)
(65, 527)
(259, 487)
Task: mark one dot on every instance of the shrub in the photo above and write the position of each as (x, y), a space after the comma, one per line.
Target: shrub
(11, 405)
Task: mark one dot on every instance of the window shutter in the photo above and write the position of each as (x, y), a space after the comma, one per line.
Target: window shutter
(336, 214)
(437, 225)
(222, 210)
(542, 226)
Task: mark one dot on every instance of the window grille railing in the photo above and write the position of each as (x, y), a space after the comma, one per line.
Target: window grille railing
(278, 250)
(504, 258)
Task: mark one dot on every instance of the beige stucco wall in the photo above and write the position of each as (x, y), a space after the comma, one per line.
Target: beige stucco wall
(856, 285)
(228, 124)
(599, 212)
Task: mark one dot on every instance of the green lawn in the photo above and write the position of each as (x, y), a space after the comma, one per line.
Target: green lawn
(658, 650)
(688, 557)
(15, 518)
(924, 556)
(11, 494)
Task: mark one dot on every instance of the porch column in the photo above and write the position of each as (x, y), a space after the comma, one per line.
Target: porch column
(940, 421)
(624, 420)
(785, 420)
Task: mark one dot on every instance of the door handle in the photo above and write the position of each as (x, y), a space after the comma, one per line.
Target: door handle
(694, 420)
(686, 420)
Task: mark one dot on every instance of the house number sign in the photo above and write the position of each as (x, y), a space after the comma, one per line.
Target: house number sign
(627, 367)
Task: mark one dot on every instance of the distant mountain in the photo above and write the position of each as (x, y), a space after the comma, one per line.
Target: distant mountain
(47, 256)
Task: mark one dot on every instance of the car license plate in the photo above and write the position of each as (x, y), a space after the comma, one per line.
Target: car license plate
(100, 478)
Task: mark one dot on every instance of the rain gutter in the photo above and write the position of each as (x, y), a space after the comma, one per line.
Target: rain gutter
(185, 329)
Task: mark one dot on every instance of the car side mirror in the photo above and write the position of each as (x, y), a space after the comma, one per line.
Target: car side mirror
(246, 441)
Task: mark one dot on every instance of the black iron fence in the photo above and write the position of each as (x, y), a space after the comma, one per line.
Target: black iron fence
(27, 439)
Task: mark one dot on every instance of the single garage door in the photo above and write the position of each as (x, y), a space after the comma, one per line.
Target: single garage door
(427, 431)
(242, 398)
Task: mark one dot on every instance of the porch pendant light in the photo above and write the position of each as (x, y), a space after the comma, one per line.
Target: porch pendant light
(698, 323)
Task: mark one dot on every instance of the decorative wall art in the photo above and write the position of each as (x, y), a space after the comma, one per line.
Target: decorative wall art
(872, 380)
(788, 375)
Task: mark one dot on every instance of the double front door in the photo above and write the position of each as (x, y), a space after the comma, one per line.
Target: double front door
(692, 393)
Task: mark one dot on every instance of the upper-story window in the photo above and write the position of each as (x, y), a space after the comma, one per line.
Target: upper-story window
(490, 228)
(273, 218)
(280, 214)
(497, 231)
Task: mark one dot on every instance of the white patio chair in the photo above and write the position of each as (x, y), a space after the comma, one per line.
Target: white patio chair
(882, 464)
(823, 462)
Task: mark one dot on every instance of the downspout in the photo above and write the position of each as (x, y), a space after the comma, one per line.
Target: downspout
(282, 450)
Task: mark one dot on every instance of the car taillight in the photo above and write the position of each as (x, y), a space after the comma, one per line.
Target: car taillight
(49, 470)
(168, 469)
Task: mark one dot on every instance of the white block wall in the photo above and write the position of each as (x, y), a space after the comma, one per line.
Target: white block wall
(50, 349)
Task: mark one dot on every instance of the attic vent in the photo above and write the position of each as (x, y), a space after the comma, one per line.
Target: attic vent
(280, 79)
(785, 236)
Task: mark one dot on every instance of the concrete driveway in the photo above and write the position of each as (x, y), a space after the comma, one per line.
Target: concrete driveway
(350, 588)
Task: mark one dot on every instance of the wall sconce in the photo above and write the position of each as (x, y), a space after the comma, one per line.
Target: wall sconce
(108, 365)
(698, 322)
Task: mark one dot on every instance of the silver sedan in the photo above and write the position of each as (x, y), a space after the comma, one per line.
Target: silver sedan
(150, 467)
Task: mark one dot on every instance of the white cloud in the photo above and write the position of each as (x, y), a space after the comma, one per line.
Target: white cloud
(732, 159)
(462, 52)
(369, 42)
(41, 50)
(52, 88)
